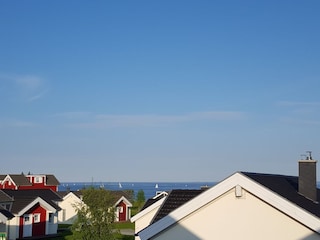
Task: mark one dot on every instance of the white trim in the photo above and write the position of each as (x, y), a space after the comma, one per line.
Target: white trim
(39, 200)
(71, 193)
(214, 192)
(128, 204)
(11, 180)
(148, 209)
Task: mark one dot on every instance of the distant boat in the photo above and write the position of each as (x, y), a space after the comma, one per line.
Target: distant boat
(120, 186)
(156, 186)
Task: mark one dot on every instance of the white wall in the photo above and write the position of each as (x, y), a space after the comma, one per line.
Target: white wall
(68, 213)
(231, 217)
(13, 229)
(145, 220)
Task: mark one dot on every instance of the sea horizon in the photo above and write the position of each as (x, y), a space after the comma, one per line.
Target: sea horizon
(150, 188)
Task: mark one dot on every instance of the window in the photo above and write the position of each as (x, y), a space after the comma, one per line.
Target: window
(38, 179)
(36, 218)
(120, 209)
(51, 217)
(26, 219)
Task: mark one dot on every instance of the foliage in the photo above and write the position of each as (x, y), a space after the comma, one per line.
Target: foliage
(95, 216)
(140, 200)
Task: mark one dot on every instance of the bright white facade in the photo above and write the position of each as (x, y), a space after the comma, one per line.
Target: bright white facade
(236, 208)
(144, 218)
(68, 213)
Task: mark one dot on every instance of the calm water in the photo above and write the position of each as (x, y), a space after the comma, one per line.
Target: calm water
(149, 188)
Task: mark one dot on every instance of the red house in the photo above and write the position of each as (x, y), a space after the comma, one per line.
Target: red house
(35, 213)
(123, 207)
(30, 181)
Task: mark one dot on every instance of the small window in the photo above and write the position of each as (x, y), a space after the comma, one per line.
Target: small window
(120, 209)
(51, 217)
(26, 219)
(36, 218)
(38, 179)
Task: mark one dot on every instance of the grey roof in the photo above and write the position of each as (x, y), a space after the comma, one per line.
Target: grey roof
(24, 197)
(20, 180)
(62, 194)
(6, 213)
(287, 187)
(175, 199)
(5, 197)
(52, 180)
(151, 201)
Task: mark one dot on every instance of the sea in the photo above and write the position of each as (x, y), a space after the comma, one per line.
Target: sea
(150, 189)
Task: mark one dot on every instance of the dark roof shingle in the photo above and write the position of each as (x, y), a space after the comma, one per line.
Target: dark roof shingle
(175, 199)
(286, 187)
(24, 197)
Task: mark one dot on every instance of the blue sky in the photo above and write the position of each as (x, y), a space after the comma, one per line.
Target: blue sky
(158, 90)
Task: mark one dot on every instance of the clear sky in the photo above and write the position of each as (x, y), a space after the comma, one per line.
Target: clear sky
(158, 90)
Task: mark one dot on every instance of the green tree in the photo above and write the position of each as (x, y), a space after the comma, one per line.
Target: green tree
(141, 199)
(94, 216)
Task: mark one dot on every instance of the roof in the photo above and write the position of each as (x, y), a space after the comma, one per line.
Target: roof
(52, 180)
(24, 197)
(175, 199)
(62, 194)
(153, 200)
(278, 191)
(6, 213)
(20, 179)
(287, 187)
(5, 197)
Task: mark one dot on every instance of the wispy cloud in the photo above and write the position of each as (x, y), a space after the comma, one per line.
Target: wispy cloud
(306, 113)
(90, 120)
(14, 123)
(298, 104)
(29, 87)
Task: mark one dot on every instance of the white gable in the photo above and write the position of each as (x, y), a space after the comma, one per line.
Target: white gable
(238, 183)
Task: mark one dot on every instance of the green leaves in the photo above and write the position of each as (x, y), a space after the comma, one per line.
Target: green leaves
(95, 216)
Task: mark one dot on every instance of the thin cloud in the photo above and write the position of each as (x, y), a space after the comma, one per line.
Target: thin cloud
(306, 113)
(298, 104)
(16, 124)
(29, 87)
(150, 120)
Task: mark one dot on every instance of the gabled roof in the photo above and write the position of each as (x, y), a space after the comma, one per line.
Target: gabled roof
(37, 200)
(19, 179)
(125, 200)
(150, 205)
(5, 197)
(24, 197)
(287, 187)
(153, 200)
(175, 199)
(52, 180)
(62, 194)
(7, 214)
(259, 185)
(118, 194)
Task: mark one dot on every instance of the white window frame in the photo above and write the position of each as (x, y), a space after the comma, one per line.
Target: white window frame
(120, 209)
(37, 179)
(36, 217)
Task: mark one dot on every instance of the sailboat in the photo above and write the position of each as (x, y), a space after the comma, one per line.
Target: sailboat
(156, 186)
(120, 186)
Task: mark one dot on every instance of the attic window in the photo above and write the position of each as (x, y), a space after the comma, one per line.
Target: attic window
(38, 179)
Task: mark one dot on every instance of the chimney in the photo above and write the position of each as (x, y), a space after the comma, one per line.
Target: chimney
(308, 177)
